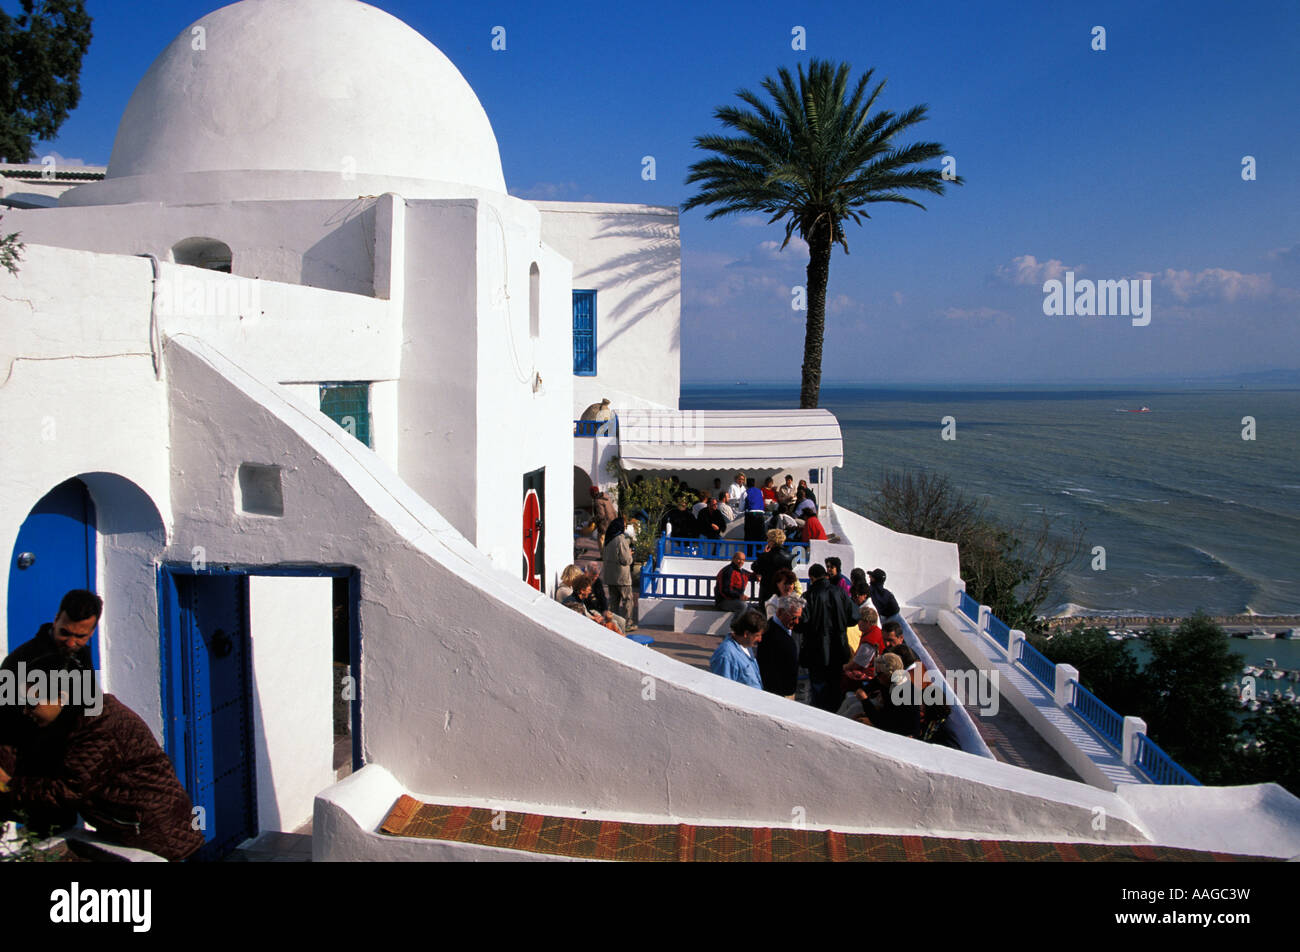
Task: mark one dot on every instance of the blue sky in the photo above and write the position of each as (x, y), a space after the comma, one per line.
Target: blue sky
(1115, 164)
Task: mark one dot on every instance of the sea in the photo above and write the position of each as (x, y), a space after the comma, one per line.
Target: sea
(1194, 504)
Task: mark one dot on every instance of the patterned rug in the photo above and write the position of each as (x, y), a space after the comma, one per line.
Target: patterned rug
(682, 843)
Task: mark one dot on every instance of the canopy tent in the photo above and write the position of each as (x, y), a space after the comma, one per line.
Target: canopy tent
(729, 439)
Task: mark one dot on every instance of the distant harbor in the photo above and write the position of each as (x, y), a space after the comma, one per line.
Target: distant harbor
(1238, 626)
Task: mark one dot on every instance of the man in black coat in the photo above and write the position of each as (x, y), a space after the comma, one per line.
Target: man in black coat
(824, 631)
(778, 652)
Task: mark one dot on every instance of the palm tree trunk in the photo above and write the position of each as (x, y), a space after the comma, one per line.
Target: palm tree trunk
(819, 268)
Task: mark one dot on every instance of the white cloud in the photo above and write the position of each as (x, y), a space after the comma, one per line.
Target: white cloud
(1028, 270)
(1213, 284)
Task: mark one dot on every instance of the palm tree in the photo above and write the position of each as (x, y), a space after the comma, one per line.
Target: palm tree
(814, 157)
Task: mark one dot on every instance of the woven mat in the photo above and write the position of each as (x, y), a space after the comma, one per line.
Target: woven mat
(682, 843)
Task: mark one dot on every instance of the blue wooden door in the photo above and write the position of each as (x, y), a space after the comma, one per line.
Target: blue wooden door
(54, 553)
(208, 700)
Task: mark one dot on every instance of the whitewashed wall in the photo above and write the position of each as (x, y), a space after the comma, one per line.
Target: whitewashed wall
(631, 256)
(78, 397)
(919, 571)
(442, 631)
(325, 244)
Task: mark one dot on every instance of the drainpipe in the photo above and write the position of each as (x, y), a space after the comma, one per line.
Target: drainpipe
(155, 337)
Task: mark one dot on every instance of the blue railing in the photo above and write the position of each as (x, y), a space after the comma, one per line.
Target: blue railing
(1000, 632)
(1097, 715)
(1038, 665)
(721, 549)
(670, 585)
(1158, 766)
(595, 428)
(969, 607)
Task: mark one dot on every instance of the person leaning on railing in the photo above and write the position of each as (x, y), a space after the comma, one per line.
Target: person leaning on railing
(771, 560)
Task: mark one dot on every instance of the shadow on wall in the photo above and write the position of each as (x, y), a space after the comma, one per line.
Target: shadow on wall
(344, 260)
(651, 275)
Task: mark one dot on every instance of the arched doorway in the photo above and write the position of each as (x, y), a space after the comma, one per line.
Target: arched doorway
(54, 552)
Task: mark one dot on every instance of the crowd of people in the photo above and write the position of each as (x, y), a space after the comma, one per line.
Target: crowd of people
(709, 513)
(805, 636)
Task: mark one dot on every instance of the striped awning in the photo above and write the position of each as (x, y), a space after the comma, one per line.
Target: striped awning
(728, 439)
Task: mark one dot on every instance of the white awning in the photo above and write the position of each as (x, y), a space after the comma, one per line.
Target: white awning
(729, 439)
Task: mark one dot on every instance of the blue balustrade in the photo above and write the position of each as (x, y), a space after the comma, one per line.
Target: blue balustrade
(721, 549)
(1097, 715)
(1038, 665)
(969, 607)
(1158, 766)
(999, 631)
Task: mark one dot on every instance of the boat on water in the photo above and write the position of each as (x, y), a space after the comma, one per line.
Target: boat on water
(1141, 410)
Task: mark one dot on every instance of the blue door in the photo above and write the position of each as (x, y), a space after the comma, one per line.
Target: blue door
(208, 702)
(55, 553)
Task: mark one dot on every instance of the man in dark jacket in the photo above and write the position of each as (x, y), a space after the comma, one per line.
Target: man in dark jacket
(825, 637)
(107, 767)
(884, 600)
(778, 652)
(69, 635)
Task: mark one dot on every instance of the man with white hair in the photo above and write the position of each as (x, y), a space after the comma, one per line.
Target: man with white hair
(778, 652)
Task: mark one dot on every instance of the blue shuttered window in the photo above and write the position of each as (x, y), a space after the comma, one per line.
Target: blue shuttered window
(584, 333)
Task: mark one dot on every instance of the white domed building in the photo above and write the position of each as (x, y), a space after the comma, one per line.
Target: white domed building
(281, 387)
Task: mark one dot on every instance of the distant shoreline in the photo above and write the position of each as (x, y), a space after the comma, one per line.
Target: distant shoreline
(1169, 621)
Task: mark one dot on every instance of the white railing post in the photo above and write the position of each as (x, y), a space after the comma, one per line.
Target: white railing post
(1132, 727)
(1065, 673)
(958, 590)
(985, 614)
(1013, 640)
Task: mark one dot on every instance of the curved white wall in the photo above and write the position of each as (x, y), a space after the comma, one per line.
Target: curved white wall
(476, 685)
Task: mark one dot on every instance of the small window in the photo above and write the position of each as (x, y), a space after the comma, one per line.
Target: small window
(207, 253)
(584, 333)
(534, 302)
(348, 405)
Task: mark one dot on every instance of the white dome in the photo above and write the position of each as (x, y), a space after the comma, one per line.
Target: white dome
(322, 86)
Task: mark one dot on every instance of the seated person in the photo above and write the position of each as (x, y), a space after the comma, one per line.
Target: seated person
(701, 503)
(96, 757)
(786, 495)
(810, 529)
(710, 522)
(893, 635)
(805, 505)
(888, 701)
(578, 602)
(732, 584)
(807, 491)
(871, 644)
(725, 508)
(769, 490)
(565, 588)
